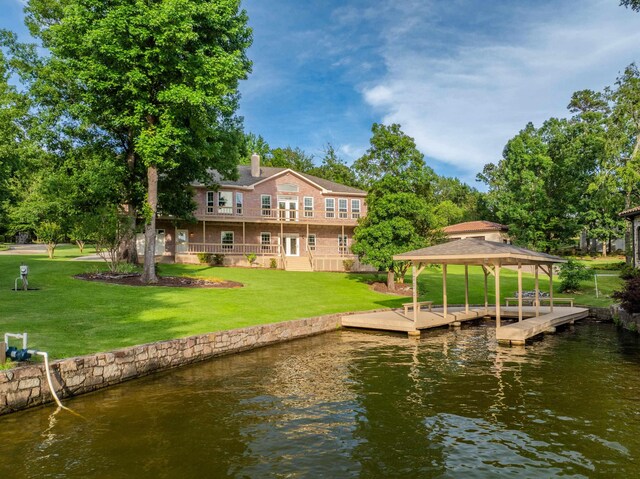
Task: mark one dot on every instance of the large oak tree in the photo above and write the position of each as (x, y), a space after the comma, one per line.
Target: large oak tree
(160, 77)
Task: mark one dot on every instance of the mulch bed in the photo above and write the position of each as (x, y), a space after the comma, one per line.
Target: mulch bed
(401, 289)
(133, 279)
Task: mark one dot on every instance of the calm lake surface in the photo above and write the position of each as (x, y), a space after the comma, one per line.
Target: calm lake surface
(350, 404)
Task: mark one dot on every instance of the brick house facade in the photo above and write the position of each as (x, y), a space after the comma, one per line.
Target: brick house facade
(300, 221)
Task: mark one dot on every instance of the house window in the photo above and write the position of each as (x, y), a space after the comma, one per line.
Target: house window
(330, 208)
(226, 238)
(225, 202)
(308, 206)
(288, 188)
(239, 203)
(265, 200)
(355, 209)
(211, 202)
(342, 208)
(342, 244)
(265, 242)
(311, 242)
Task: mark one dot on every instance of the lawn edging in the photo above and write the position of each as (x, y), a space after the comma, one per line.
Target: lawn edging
(25, 387)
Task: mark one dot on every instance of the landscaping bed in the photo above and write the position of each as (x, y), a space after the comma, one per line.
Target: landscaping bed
(133, 279)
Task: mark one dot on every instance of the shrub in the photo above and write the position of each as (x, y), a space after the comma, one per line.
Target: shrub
(204, 258)
(251, 257)
(629, 295)
(571, 273)
(628, 272)
(218, 259)
(273, 264)
(348, 264)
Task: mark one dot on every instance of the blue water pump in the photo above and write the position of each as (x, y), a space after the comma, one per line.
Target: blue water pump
(18, 354)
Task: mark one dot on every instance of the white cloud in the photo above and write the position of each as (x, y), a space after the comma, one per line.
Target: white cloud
(463, 103)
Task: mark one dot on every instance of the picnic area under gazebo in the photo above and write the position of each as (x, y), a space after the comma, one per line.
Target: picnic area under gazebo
(492, 257)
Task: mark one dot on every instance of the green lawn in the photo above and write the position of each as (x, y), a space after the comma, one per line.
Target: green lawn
(69, 317)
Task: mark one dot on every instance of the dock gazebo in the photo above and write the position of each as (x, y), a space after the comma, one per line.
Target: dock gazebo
(492, 257)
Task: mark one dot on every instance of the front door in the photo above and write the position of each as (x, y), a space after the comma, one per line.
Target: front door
(292, 245)
(182, 241)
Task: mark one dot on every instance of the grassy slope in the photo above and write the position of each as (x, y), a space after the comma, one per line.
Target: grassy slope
(68, 317)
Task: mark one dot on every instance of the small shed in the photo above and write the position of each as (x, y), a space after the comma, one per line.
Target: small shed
(486, 230)
(492, 257)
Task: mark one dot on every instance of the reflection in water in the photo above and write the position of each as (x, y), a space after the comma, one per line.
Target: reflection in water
(454, 404)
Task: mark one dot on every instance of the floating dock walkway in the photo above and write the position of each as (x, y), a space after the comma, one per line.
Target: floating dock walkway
(515, 333)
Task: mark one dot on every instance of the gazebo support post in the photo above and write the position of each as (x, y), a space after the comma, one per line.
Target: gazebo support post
(486, 290)
(497, 274)
(414, 274)
(550, 288)
(537, 286)
(444, 289)
(519, 292)
(466, 288)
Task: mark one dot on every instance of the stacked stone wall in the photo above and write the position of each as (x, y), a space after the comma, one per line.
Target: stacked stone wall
(26, 386)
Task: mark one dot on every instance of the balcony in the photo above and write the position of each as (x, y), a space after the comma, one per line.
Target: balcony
(279, 215)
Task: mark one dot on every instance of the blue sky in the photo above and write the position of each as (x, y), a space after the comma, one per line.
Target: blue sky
(460, 76)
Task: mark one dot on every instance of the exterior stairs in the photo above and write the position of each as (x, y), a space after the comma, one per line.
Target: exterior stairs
(298, 263)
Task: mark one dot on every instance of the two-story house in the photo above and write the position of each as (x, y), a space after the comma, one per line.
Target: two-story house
(302, 221)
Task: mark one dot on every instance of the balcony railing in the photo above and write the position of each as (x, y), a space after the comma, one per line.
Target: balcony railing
(283, 214)
(265, 250)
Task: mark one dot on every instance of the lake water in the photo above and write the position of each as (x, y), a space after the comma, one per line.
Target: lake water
(350, 404)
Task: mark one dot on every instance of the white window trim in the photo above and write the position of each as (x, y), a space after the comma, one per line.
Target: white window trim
(210, 205)
(343, 213)
(355, 213)
(315, 242)
(227, 246)
(329, 213)
(227, 209)
(262, 208)
(308, 213)
(239, 209)
(343, 244)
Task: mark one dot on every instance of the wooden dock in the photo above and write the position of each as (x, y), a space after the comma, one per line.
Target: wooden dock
(517, 333)
(513, 333)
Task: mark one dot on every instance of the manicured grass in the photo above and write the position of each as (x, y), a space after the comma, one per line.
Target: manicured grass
(68, 317)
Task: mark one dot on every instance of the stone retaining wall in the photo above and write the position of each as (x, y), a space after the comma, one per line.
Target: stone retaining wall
(26, 386)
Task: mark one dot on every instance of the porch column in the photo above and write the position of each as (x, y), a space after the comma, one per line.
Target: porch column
(537, 300)
(486, 290)
(466, 288)
(244, 236)
(550, 288)
(519, 292)
(497, 274)
(204, 232)
(444, 289)
(414, 274)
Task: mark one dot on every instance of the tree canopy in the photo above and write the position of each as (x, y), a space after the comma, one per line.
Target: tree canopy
(160, 78)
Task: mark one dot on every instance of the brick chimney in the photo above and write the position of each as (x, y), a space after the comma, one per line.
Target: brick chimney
(255, 165)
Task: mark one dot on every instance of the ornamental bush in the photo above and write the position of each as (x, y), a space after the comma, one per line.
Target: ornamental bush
(629, 295)
(571, 273)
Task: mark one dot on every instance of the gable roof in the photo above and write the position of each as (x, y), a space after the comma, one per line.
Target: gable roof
(267, 172)
(477, 251)
(472, 226)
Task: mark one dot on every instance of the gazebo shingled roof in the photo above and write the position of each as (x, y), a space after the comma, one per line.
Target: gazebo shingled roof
(477, 251)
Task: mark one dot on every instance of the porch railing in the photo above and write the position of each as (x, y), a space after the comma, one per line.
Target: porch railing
(219, 248)
(332, 251)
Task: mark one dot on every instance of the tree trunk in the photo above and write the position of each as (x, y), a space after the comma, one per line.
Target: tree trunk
(149, 272)
(131, 246)
(391, 284)
(604, 248)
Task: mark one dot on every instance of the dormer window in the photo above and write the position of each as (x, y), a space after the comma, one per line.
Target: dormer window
(289, 188)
